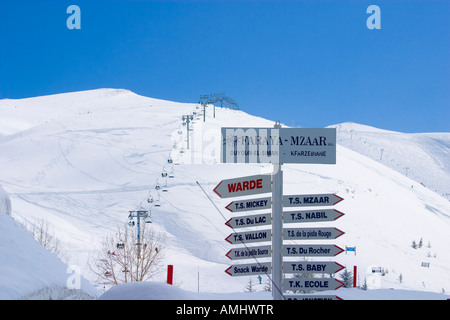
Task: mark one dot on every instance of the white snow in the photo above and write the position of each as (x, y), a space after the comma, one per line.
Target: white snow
(162, 291)
(5, 202)
(82, 160)
(423, 157)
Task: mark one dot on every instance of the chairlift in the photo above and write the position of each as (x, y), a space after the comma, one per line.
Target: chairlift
(157, 187)
(164, 174)
(150, 199)
(164, 187)
(171, 174)
(120, 245)
(169, 160)
(158, 203)
(131, 223)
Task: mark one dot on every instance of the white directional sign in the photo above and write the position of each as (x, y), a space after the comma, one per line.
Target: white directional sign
(250, 252)
(249, 269)
(311, 216)
(278, 145)
(311, 250)
(311, 233)
(311, 200)
(311, 284)
(244, 186)
(311, 267)
(250, 221)
(250, 204)
(249, 236)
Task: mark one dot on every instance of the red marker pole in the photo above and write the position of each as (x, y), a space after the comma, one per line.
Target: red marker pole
(169, 274)
(354, 276)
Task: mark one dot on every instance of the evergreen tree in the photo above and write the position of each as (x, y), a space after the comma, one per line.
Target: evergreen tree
(347, 278)
(249, 287)
(364, 286)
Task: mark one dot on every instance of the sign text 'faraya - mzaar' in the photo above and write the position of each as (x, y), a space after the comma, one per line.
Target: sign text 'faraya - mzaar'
(279, 145)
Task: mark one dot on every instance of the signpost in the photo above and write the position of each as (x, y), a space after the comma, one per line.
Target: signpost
(311, 216)
(311, 233)
(249, 236)
(250, 204)
(312, 267)
(244, 186)
(311, 200)
(311, 250)
(277, 146)
(311, 284)
(256, 220)
(249, 269)
(250, 252)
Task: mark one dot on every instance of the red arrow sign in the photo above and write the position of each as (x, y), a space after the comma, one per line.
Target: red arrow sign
(244, 186)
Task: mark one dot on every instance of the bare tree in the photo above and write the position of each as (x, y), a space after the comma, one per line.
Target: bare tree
(125, 259)
(41, 231)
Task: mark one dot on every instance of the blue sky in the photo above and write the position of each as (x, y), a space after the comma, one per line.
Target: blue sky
(307, 63)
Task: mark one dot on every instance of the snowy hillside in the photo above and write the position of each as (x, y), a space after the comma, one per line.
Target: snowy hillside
(82, 160)
(5, 202)
(423, 157)
(28, 271)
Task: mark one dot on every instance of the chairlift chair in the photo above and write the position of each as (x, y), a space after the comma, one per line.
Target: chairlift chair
(120, 245)
(164, 187)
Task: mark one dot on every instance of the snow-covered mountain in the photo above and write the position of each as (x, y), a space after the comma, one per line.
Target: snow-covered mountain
(424, 157)
(83, 160)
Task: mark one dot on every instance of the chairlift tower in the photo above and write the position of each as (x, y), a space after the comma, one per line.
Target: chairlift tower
(138, 214)
(187, 118)
(204, 102)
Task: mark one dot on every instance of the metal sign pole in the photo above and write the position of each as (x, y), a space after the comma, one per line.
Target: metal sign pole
(277, 230)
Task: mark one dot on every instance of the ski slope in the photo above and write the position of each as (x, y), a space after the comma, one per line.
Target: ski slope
(82, 160)
(424, 157)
